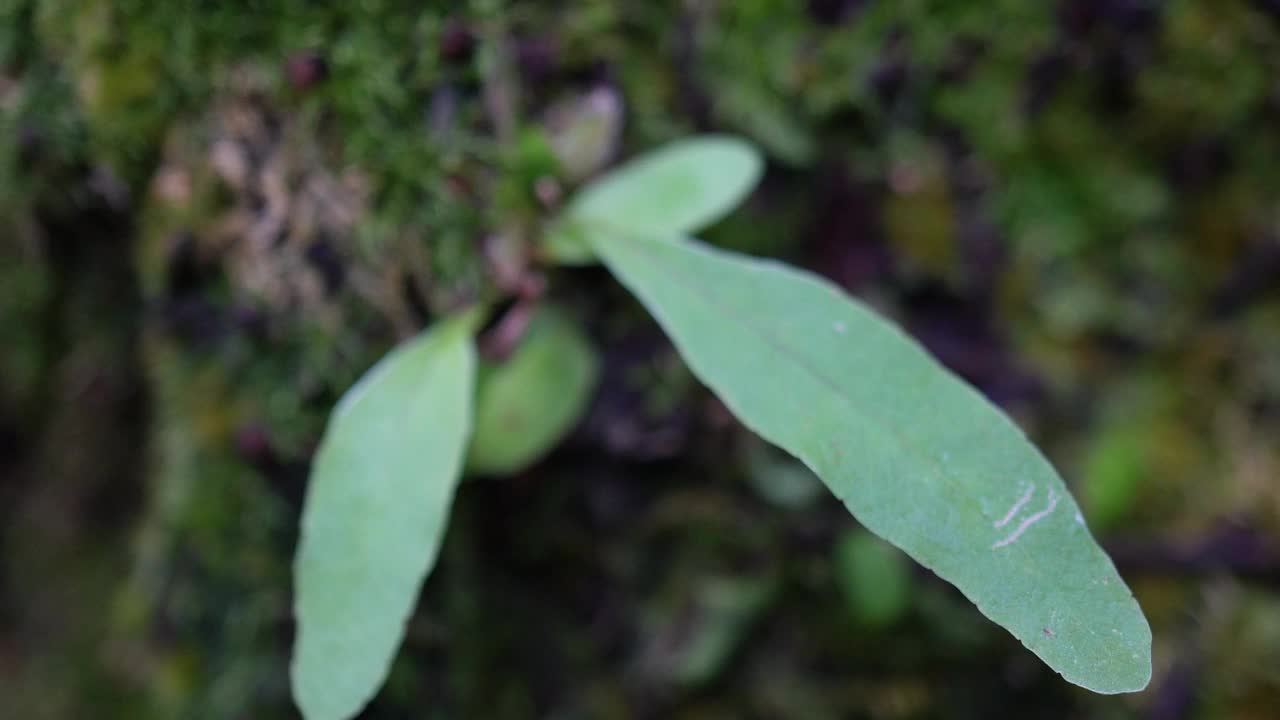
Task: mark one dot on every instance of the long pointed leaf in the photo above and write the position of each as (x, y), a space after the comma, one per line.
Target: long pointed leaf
(375, 513)
(917, 455)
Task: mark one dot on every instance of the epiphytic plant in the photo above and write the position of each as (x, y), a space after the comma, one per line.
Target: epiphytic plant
(917, 455)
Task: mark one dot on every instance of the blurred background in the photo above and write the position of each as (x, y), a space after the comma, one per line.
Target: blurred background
(215, 215)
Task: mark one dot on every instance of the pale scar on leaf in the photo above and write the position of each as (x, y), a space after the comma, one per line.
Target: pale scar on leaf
(1027, 521)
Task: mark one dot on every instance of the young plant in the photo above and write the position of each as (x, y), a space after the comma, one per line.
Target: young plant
(917, 455)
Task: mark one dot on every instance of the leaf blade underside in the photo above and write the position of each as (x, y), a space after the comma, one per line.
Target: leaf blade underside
(376, 510)
(916, 454)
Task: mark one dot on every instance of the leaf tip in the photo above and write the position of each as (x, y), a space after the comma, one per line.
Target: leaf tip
(1129, 669)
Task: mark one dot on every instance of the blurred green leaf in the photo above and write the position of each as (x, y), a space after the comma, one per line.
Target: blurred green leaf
(779, 478)
(951, 624)
(874, 577)
(918, 456)
(526, 405)
(769, 119)
(677, 189)
(694, 644)
(1113, 473)
(375, 514)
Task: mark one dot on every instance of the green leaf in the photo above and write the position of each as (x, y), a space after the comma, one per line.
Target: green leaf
(874, 578)
(698, 638)
(680, 188)
(377, 503)
(918, 456)
(525, 406)
(1112, 477)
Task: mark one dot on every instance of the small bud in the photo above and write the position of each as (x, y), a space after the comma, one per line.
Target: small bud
(305, 69)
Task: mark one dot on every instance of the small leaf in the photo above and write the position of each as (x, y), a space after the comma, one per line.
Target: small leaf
(584, 131)
(874, 577)
(677, 189)
(693, 645)
(918, 456)
(377, 503)
(525, 406)
(1112, 477)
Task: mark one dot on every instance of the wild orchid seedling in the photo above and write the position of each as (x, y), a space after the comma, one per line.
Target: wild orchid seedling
(917, 455)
